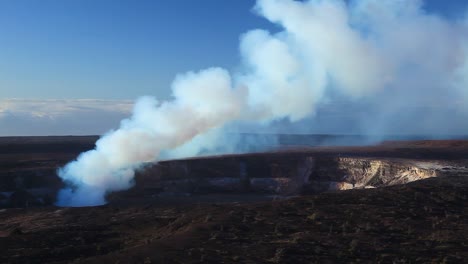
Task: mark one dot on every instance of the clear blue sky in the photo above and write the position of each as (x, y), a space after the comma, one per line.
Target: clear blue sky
(121, 49)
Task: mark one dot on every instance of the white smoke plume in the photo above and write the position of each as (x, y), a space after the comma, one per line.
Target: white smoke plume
(202, 101)
(382, 55)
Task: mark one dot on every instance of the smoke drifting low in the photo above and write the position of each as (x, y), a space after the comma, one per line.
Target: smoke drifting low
(387, 57)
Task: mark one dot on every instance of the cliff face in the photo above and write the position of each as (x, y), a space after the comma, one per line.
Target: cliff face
(284, 176)
(28, 169)
(350, 173)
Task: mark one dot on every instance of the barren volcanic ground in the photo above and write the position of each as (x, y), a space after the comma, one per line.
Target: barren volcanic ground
(397, 202)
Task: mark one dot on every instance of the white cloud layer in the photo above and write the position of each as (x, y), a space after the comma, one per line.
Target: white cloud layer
(30, 117)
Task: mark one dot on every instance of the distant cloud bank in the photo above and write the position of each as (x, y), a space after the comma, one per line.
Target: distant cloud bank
(33, 117)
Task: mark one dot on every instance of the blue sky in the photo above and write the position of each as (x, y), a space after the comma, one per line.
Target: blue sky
(54, 53)
(114, 49)
(122, 49)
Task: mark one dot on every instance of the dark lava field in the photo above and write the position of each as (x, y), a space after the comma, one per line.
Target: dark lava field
(396, 202)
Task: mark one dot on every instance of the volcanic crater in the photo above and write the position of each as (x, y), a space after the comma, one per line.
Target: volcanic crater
(301, 204)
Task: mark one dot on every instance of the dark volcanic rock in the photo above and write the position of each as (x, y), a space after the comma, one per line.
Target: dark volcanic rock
(420, 222)
(208, 210)
(22, 198)
(287, 175)
(30, 163)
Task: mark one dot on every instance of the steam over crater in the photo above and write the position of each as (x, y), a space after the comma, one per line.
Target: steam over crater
(378, 55)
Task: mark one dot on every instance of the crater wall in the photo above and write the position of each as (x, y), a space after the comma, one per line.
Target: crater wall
(282, 175)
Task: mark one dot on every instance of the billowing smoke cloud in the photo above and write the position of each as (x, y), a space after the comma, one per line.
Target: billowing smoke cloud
(202, 101)
(384, 60)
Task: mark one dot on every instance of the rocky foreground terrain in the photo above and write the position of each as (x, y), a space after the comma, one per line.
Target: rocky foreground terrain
(398, 202)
